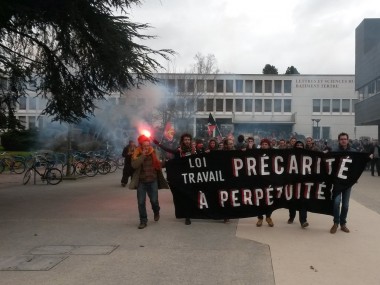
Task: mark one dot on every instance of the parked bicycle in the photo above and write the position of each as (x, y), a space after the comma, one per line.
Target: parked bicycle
(12, 163)
(49, 174)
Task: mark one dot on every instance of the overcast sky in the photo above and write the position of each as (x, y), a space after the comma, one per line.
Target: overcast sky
(315, 36)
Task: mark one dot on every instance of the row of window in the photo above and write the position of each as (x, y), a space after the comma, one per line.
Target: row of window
(228, 86)
(370, 89)
(334, 105)
(32, 103)
(245, 105)
(31, 122)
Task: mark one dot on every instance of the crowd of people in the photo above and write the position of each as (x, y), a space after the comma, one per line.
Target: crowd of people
(144, 165)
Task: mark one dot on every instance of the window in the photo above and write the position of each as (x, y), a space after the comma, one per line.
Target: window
(239, 86)
(171, 85)
(248, 86)
(277, 105)
(229, 105)
(200, 105)
(336, 105)
(42, 103)
(209, 105)
(345, 105)
(287, 86)
(277, 86)
(220, 86)
(181, 85)
(40, 122)
(229, 86)
(326, 105)
(22, 103)
(267, 105)
(354, 101)
(190, 105)
(201, 86)
(190, 85)
(258, 105)
(371, 88)
(258, 86)
(22, 120)
(32, 122)
(210, 86)
(180, 105)
(239, 105)
(268, 86)
(248, 105)
(32, 103)
(325, 133)
(219, 105)
(316, 105)
(287, 105)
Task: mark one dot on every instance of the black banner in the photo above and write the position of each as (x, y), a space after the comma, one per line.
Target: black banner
(238, 184)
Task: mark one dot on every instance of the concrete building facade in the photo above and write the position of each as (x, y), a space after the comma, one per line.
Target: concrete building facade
(320, 106)
(367, 73)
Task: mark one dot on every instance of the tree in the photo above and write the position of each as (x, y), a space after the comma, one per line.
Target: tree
(291, 70)
(179, 104)
(74, 52)
(270, 69)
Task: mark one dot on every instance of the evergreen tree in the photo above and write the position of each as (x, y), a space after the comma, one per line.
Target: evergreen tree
(270, 69)
(73, 52)
(291, 70)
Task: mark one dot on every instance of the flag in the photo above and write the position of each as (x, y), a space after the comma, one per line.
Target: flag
(169, 131)
(211, 125)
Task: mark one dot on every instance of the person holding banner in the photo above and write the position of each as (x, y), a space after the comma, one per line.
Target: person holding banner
(212, 145)
(265, 144)
(185, 149)
(147, 179)
(292, 211)
(341, 195)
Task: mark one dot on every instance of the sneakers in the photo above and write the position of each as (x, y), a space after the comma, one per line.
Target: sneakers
(304, 225)
(290, 221)
(156, 217)
(142, 226)
(259, 223)
(187, 221)
(333, 229)
(344, 228)
(269, 221)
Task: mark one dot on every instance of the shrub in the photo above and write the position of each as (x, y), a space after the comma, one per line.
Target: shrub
(19, 140)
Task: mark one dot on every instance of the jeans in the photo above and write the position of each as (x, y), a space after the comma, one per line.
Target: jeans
(340, 214)
(151, 189)
(302, 214)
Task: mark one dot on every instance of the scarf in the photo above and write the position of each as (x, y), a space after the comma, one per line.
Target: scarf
(152, 153)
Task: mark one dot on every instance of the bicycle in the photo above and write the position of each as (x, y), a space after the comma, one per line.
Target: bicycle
(12, 163)
(51, 174)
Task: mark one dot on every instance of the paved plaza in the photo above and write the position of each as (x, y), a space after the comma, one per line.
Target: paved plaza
(84, 231)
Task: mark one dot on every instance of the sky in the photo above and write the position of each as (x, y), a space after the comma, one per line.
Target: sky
(315, 36)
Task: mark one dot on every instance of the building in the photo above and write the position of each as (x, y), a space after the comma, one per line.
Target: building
(367, 73)
(320, 106)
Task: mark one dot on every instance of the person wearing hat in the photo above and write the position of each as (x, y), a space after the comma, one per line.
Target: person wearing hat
(265, 144)
(147, 179)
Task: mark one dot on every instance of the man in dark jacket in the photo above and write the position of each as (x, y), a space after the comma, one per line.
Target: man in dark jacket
(127, 170)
